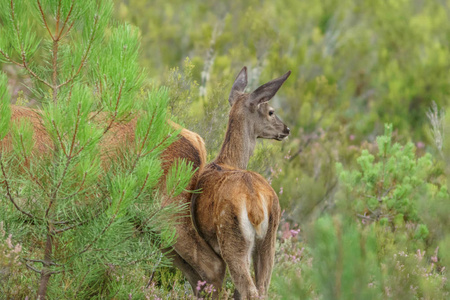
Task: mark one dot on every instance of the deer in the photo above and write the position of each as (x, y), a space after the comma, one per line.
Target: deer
(189, 146)
(238, 213)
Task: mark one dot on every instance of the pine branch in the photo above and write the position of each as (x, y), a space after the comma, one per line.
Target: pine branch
(59, 138)
(143, 142)
(8, 191)
(159, 144)
(44, 19)
(43, 262)
(106, 227)
(58, 19)
(65, 22)
(79, 223)
(116, 108)
(86, 53)
(6, 56)
(75, 131)
(33, 269)
(24, 63)
(79, 188)
(69, 158)
(143, 186)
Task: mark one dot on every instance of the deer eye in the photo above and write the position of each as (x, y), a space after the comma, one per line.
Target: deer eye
(271, 113)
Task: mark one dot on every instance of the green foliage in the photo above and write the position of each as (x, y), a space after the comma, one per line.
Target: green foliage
(82, 211)
(345, 260)
(5, 109)
(389, 185)
(178, 177)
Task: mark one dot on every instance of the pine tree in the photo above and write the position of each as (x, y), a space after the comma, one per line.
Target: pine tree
(82, 209)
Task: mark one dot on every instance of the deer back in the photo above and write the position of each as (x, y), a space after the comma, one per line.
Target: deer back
(190, 146)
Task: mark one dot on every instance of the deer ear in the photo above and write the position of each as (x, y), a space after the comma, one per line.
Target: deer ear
(238, 86)
(266, 92)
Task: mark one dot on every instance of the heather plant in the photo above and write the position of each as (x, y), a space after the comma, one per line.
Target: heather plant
(85, 220)
(12, 268)
(337, 260)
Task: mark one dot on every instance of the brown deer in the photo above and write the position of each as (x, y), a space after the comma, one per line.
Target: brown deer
(189, 146)
(238, 212)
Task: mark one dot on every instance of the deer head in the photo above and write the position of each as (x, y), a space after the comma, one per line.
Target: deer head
(259, 116)
(251, 117)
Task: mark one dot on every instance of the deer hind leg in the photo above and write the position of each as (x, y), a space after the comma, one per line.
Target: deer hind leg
(201, 258)
(236, 243)
(191, 275)
(263, 258)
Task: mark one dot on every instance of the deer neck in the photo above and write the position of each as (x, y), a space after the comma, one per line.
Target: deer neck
(238, 145)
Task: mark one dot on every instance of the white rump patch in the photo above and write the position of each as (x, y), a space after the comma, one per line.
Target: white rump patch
(262, 230)
(248, 231)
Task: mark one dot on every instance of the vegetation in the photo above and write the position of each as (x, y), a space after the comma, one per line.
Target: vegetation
(81, 217)
(365, 204)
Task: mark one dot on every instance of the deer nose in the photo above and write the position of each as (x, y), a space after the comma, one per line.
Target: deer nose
(288, 130)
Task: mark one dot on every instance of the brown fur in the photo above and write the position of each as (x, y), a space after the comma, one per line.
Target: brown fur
(238, 212)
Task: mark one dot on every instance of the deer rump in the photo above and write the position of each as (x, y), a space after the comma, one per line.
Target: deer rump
(238, 197)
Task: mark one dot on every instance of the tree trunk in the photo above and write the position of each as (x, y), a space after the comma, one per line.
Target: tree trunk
(46, 272)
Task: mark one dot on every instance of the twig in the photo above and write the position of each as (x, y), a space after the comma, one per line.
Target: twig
(69, 158)
(162, 142)
(115, 109)
(9, 59)
(76, 225)
(23, 149)
(83, 60)
(34, 269)
(59, 138)
(65, 22)
(143, 186)
(8, 191)
(143, 142)
(43, 19)
(43, 262)
(75, 131)
(79, 189)
(364, 217)
(106, 227)
(25, 65)
(153, 272)
(82, 148)
(58, 19)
